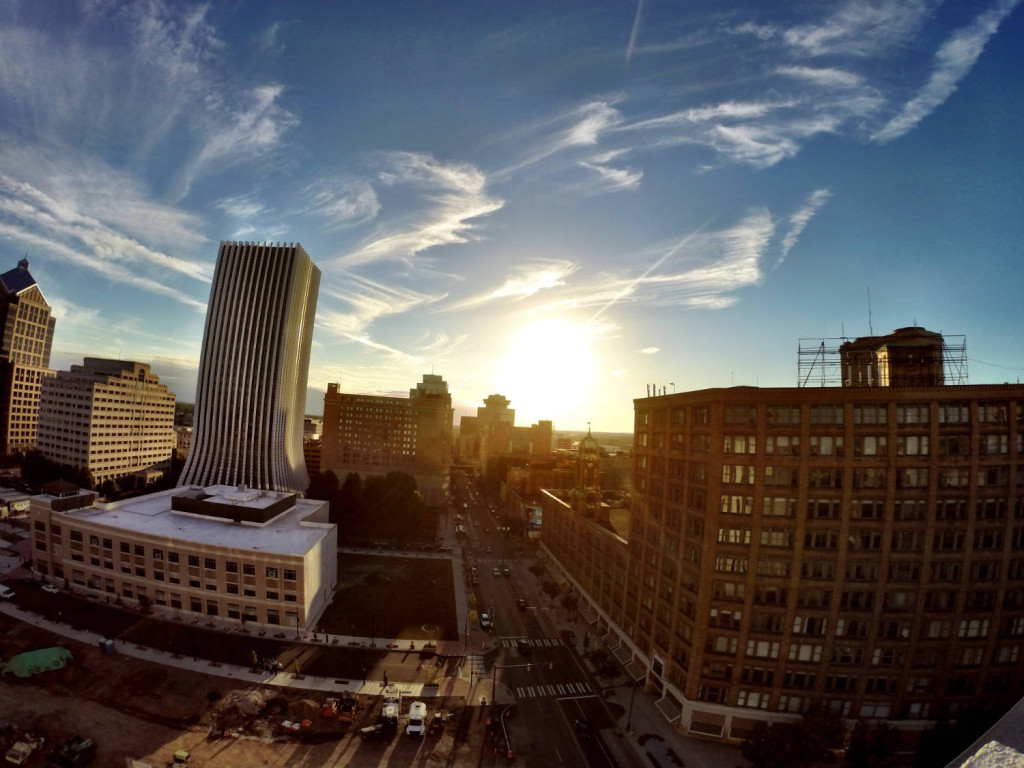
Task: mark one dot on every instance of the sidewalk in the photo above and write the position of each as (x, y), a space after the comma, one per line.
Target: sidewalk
(652, 740)
(447, 686)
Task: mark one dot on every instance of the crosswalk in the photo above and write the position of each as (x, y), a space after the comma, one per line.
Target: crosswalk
(475, 666)
(535, 642)
(555, 689)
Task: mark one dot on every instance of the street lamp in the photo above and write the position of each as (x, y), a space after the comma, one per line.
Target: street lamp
(629, 717)
(373, 632)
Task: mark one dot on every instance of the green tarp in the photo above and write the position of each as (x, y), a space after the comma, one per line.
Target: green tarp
(33, 662)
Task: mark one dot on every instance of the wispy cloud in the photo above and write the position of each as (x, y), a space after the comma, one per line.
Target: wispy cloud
(702, 269)
(453, 196)
(953, 61)
(649, 350)
(581, 127)
(526, 280)
(269, 41)
(613, 179)
(255, 126)
(366, 301)
(801, 218)
(241, 206)
(827, 77)
(99, 220)
(860, 28)
(344, 203)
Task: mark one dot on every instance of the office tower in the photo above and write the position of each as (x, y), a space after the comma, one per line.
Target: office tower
(111, 417)
(26, 336)
(374, 435)
(858, 547)
(488, 433)
(251, 390)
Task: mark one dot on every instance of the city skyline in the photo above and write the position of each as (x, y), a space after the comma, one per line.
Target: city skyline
(561, 204)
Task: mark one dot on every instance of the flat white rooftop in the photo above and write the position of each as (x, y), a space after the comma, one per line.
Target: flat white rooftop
(152, 516)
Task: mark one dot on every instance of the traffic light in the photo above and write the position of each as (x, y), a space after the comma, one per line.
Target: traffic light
(551, 665)
(529, 667)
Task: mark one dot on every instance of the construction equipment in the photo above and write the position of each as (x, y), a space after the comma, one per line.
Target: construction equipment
(330, 708)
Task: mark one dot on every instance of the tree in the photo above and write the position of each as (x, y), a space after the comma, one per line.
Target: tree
(110, 490)
(536, 569)
(570, 601)
(323, 486)
(604, 664)
(872, 745)
(798, 744)
(551, 588)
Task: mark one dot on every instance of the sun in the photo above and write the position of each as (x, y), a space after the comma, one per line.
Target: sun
(547, 371)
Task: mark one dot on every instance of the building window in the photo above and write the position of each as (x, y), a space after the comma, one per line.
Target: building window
(738, 474)
(739, 444)
(827, 414)
(782, 445)
(911, 413)
(248, 569)
(870, 414)
(740, 414)
(992, 413)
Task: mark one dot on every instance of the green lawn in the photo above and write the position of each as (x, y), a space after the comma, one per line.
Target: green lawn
(411, 598)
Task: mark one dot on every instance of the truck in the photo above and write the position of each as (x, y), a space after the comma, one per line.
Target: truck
(74, 752)
(417, 719)
(347, 710)
(23, 749)
(392, 696)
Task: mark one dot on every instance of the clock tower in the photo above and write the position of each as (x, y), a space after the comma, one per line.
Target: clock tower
(588, 478)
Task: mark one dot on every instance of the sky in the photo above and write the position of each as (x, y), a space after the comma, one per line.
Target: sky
(572, 204)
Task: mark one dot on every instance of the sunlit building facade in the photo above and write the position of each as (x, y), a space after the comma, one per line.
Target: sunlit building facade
(111, 417)
(240, 555)
(855, 547)
(26, 337)
(374, 435)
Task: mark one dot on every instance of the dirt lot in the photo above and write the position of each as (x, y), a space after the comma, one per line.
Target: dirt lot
(132, 709)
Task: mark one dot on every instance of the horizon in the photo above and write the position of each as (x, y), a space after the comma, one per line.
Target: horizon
(560, 204)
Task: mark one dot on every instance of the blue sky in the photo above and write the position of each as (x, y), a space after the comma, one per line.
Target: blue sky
(561, 202)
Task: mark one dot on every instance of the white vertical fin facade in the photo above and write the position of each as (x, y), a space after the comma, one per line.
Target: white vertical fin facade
(251, 391)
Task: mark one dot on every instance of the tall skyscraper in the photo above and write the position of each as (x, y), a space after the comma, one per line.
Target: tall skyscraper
(111, 417)
(26, 335)
(251, 391)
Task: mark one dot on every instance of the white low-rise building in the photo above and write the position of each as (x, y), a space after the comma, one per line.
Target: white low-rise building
(234, 553)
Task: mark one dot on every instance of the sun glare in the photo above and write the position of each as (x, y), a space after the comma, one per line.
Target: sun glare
(547, 372)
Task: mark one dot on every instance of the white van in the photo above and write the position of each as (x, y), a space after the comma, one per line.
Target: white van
(417, 719)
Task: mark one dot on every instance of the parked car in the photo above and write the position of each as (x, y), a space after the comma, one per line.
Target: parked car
(6, 593)
(53, 589)
(417, 719)
(485, 621)
(507, 572)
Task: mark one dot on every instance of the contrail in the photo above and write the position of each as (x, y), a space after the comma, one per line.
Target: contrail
(668, 254)
(635, 32)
